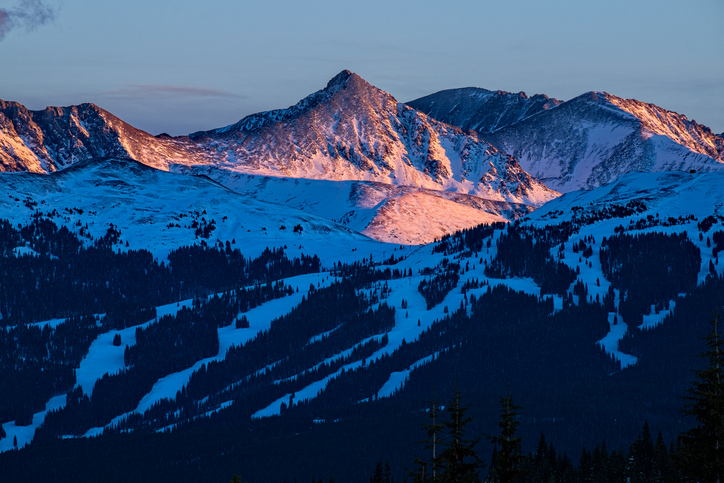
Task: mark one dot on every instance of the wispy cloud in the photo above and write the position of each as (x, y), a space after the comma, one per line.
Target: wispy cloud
(149, 91)
(28, 14)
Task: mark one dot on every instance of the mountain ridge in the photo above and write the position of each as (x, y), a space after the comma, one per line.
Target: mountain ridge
(480, 109)
(592, 139)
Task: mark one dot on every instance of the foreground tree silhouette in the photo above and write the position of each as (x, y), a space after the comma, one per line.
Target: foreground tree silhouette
(506, 465)
(702, 447)
(457, 461)
(460, 462)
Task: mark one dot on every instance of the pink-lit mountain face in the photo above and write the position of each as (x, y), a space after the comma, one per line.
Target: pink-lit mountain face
(353, 131)
(349, 130)
(595, 138)
(57, 137)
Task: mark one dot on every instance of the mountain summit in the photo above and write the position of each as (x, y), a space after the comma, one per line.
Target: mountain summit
(351, 130)
(261, 119)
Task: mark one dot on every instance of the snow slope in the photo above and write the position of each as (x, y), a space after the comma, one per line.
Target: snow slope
(670, 194)
(156, 210)
(396, 214)
(349, 130)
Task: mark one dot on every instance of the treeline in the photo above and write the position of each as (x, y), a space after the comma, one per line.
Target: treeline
(364, 273)
(436, 287)
(612, 210)
(63, 276)
(173, 343)
(487, 345)
(170, 344)
(66, 277)
(469, 240)
(221, 267)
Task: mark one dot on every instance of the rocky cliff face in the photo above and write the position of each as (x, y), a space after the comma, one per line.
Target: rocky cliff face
(480, 109)
(57, 137)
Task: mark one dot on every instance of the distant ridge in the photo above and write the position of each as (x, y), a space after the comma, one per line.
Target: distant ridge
(480, 109)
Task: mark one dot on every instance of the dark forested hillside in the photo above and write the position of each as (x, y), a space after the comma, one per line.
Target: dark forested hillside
(326, 376)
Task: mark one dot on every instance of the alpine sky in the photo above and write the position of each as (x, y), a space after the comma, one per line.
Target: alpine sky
(182, 66)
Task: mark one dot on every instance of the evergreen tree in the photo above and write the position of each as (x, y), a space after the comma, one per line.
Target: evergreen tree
(433, 435)
(702, 447)
(662, 462)
(585, 467)
(509, 455)
(454, 458)
(641, 457)
(459, 460)
(542, 466)
(377, 476)
(433, 431)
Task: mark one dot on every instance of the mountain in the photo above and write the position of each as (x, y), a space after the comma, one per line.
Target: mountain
(593, 139)
(217, 305)
(582, 143)
(600, 294)
(481, 110)
(347, 132)
(667, 194)
(351, 130)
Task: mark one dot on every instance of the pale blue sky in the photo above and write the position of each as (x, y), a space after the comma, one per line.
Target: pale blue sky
(180, 66)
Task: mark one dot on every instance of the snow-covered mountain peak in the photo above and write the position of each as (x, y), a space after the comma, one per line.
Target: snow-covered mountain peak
(339, 80)
(596, 137)
(353, 131)
(347, 131)
(345, 80)
(480, 109)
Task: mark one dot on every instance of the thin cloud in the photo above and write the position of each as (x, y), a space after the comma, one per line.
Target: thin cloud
(146, 91)
(29, 14)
